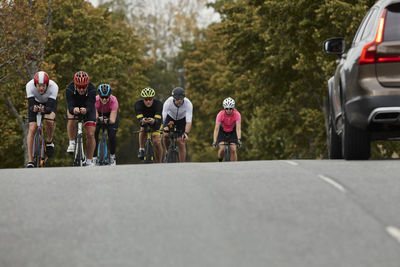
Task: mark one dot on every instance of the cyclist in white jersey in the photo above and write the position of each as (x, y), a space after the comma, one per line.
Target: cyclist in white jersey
(179, 109)
(41, 91)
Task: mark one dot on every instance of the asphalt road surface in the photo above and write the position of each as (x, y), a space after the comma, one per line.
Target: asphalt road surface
(258, 213)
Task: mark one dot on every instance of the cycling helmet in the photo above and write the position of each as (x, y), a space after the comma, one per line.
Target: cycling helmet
(104, 90)
(178, 93)
(41, 77)
(81, 79)
(228, 103)
(147, 92)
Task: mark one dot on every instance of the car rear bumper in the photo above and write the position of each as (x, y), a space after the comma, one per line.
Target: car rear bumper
(369, 111)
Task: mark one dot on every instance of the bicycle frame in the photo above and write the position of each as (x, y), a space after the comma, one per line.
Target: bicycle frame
(148, 147)
(79, 153)
(39, 154)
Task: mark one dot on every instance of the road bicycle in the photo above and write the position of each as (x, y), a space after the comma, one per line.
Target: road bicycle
(79, 153)
(39, 149)
(103, 154)
(148, 146)
(172, 152)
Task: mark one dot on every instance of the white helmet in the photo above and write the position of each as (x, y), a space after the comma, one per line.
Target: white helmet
(228, 103)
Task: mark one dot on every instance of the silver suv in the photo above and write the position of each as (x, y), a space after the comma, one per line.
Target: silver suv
(364, 93)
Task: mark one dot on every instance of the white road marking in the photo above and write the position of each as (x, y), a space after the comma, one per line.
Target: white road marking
(332, 182)
(394, 232)
(292, 163)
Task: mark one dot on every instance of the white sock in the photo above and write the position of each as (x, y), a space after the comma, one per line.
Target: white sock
(141, 149)
(72, 142)
(88, 161)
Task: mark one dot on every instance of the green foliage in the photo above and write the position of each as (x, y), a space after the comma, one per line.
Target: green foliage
(268, 56)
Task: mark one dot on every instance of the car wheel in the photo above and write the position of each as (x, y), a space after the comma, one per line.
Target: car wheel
(356, 143)
(334, 141)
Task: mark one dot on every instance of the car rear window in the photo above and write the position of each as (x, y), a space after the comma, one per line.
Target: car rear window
(392, 24)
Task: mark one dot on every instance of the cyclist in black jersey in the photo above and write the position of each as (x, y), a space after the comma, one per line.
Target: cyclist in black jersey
(149, 111)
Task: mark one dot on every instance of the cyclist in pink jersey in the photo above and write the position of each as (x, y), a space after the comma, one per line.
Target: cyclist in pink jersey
(107, 111)
(228, 129)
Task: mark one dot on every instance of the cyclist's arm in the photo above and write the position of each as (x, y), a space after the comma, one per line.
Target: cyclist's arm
(239, 130)
(158, 115)
(70, 99)
(91, 99)
(50, 105)
(188, 126)
(31, 103)
(113, 116)
(216, 130)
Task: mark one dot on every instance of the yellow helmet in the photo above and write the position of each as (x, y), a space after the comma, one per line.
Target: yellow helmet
(148, 92)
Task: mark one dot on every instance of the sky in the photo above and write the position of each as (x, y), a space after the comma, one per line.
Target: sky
(207, 15)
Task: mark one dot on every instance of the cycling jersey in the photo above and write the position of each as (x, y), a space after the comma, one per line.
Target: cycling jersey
(154, 111)
(74, 99)
(48, 99)
(228, 122)
(112, 104)
(51, 92)
(177, 113)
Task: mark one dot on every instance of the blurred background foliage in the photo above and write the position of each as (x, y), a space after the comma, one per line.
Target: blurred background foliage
(267, 55)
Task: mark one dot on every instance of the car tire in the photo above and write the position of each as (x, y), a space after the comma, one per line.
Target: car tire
(356, 143)
(334, 141)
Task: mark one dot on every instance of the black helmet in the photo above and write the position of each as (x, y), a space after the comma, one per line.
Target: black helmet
(178, 93)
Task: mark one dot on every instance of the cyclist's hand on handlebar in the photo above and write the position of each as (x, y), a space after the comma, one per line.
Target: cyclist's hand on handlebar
(83, 110)
(239, 143)
(77, 111)
(214, 144)
(185, 136)
(35, 108)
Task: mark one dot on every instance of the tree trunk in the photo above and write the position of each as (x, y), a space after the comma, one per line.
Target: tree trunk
(24, 126)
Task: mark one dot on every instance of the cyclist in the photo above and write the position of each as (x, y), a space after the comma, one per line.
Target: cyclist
(81, 98)
(148, 112)
(41, 91)
(107, 112)
(228, 129)
(179, 109)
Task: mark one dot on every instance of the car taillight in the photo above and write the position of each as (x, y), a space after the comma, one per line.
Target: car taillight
(368, 54)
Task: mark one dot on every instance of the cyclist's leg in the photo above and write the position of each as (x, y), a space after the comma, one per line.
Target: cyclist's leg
(31, 135)
(232, 144)
(166, 139)
(50, 125)
(221, 140)
(180, 128)
(96, 139)
(71, 127)
(142, 138)
(112, 137)
(157, 146)
(90, 128)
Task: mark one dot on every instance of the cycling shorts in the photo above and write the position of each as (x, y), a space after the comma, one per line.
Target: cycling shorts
(180, 124)
(227, 137)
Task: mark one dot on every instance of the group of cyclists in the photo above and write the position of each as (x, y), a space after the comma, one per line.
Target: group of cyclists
(100, 106)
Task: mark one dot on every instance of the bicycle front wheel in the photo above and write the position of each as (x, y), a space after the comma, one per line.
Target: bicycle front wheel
(148, 152)
(37, 149)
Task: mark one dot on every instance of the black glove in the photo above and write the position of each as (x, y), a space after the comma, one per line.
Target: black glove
(239, 143)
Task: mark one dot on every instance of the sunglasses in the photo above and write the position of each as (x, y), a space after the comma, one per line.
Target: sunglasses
(104, 97)
(229, 109)
(81, 87)
(148, 99)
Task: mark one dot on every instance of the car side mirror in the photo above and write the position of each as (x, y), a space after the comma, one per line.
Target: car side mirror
(335, 46)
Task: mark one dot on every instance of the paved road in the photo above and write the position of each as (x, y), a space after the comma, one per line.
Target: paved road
(260, 213)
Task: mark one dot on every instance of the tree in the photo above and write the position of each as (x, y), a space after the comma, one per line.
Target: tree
(24, 28)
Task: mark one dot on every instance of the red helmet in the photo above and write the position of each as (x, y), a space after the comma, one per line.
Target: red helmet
(41, 77)
(81, 79)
